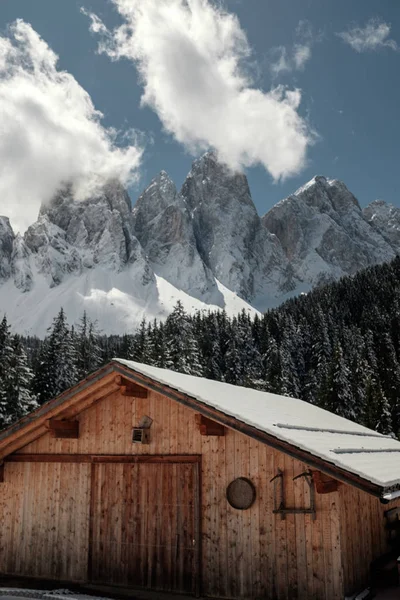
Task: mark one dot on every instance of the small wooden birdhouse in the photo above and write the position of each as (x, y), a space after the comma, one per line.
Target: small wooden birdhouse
(141, 434)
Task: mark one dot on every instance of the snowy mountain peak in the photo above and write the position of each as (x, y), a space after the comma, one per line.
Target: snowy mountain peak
(324, 233)
(212, 182)
(205, 245)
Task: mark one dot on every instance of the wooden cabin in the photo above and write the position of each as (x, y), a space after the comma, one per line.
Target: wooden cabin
(143, 477)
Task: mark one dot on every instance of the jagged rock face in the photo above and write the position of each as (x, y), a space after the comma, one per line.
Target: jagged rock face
(53, 255)
(6, 247)
(385, 218)
(71, 237)
(163, 225)
(100, 226)
(324, 233)
(14, 257)
(230, 238)
(20, 265)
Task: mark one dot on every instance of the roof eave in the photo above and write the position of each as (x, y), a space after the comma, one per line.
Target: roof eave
(257, 434)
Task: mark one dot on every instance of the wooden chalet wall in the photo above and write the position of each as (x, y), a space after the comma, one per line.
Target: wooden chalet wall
(363, 535)
(250, 553)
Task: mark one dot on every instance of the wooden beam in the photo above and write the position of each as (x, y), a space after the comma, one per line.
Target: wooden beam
(324, 484)
(209, 427)
(133, 390)
(104, 458)
(63, 429)
(129, 388)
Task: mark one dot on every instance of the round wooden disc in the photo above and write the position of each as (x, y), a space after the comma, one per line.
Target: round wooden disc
(241, 493)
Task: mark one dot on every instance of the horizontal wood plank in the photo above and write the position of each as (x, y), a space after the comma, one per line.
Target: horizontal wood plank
(105, 458)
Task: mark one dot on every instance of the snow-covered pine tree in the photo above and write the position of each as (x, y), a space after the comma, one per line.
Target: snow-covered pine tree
(273, 367)
(87, 348)
(339, 398)
(252, 367)
(57, 364)
(142, 346)
(5, 370)
(211, 348)
(290, 359)
(20, 399)
(389, 375)
(377, 414)
(289, 378)
(183, 353)
(158, 348)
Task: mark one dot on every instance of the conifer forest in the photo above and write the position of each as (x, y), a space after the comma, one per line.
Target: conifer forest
(337, 347)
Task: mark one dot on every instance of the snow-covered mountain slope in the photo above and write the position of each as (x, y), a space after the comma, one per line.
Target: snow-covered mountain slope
(112, 298)
(324, 233)
(205, 245)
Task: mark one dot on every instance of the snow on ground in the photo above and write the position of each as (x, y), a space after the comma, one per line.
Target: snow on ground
(113, 299)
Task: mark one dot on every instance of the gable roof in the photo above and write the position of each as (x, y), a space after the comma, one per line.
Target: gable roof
(367, 454)
(347, 451)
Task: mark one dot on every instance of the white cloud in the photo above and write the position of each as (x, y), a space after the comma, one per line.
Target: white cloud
(50, 131)
(300, 53)
(190, 56)
(373, 36)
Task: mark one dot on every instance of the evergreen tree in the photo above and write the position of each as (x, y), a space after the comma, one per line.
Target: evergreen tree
(183, 353)
(142, 347)
(57, 362)
(377, 413)
(87, 348)
(338, 398)
(20, 399)
(6, 353)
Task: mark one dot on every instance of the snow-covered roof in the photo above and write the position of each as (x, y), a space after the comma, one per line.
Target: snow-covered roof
(356, 449)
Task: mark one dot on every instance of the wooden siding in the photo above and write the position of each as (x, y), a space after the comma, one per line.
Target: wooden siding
(363, 535)
(251, 553)
(144, 525)
(44, 512)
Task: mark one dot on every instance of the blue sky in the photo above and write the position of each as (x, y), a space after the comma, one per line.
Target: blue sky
(349, 98)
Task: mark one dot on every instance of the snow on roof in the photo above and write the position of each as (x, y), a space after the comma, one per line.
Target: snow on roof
(372, 456)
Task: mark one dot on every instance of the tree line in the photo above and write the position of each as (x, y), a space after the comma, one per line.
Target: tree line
(337, 347)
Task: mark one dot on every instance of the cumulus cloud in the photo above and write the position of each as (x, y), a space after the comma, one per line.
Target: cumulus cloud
(374, 36)
(190, 55)
(51, 132)
(295, 58)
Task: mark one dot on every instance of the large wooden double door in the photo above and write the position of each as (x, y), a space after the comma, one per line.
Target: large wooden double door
(145, 524)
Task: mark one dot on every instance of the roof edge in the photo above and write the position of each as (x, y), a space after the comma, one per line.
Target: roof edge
(266, 438)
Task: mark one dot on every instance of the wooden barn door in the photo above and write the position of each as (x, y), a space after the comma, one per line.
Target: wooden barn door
(145, 525)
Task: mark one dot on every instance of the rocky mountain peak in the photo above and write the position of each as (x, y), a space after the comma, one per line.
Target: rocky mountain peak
(328, 195)
(324, 233)
(228, 230)
(163, 225)
(158, 195)
(213, 182)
